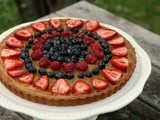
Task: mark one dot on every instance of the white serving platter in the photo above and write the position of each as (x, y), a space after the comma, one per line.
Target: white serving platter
(120, 99)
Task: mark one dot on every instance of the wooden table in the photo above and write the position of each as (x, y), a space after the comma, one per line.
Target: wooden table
(147, 105)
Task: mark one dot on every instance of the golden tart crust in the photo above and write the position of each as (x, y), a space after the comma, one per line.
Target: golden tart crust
(27, 91)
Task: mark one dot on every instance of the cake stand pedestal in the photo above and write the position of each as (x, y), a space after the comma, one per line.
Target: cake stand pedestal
(91, 118)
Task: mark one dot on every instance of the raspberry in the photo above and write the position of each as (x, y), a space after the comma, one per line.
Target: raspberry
(98, 54)
(55, 33)
(88, 40)
(46, 36)
(66, 33)
(44, 62)
(96, 46)
(90, 59)
(80, 35)
(36, 54)
(55, 65)
(68, 67)
(37, 45)
(82, 65)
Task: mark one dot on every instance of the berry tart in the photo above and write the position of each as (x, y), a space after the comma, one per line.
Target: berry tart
(65, 62)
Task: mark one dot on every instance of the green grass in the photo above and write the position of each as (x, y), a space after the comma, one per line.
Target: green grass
(145, 13)
(8, 14)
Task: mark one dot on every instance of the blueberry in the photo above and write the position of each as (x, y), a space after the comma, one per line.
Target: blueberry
(101, 40)
(84, 31)
(96, 37)
(60, 29)
(59, 75)
(106, 60)
(60, 58)
(23, 55)
(101, 65)
(30, 41)
(28, 65)
(53, 58)
(42, 71)
(69, 76)
(83, 47)
(105, 44)
(38, 34)
(88, 74)
(75, 30)
(90, 34)
(25, 49)
(109, 56)
(80, 75)
(107, 51)
(47, 46)
(50, 30)
(95, 71)
(32, 69)
(28, 45)
(27, 60)
(51, 74)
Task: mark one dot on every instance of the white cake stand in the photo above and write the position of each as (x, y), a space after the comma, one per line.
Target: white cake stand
(123, 97)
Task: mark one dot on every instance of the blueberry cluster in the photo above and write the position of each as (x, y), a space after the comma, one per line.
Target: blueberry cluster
(70, 49)
(65, 49)
(25, 57)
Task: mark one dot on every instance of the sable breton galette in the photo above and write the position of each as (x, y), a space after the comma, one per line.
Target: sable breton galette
(65, 62)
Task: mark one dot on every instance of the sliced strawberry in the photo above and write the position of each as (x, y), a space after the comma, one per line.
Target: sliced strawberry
(39, 26)
(23, 34)
(55, 23)
(81, 87)
(121, 51)
(120, 63)
(61, 86)
(105, 33)
(119, 41)
(98, 83)
(14, 42)
(12, 64)
(112, 75)
(92, 25)
(9, 53)
(26, 78)
(74, 23)
(42, 82)
(16, 73)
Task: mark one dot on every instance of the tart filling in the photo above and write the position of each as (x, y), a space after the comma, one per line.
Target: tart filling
(65, 61)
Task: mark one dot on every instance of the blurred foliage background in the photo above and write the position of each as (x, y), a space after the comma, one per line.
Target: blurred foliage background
(145, 13)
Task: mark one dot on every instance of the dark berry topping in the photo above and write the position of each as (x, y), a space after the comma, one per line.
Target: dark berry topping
(105, 60)
(95, 71)
(107, 51)
(101, 65)
(32, 69)
(50, 30)
(105, 44)
(59, 75)
(88, 74)
(80, 75)
(30, 41)
(60, 29)
(84, 31)
(69, 75)
(90, 34)
(38, 34)
(42, 71)
(51, 74)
